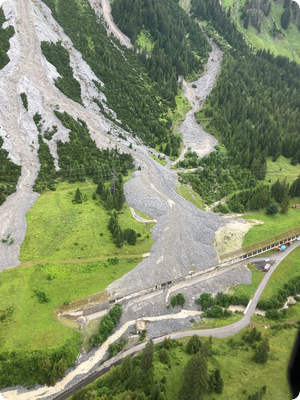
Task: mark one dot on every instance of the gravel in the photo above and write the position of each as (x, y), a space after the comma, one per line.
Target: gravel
(160, 328)
(196, 92)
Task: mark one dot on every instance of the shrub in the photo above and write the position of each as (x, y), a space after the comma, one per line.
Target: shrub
(42, 296)
(164, 356)
(178, 300)
(272, 209)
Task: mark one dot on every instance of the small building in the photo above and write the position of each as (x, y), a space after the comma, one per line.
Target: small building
(140, 325)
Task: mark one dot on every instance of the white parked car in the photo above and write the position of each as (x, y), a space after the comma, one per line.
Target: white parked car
(267, 260)
(298, 238)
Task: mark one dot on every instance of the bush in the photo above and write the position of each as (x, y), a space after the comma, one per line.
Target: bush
(251, 336)
(178, 300)
(42, 296)
(164, 356)
(272, 209)
(107, 325)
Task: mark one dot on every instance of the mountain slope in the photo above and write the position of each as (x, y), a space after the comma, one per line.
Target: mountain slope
(261, 24)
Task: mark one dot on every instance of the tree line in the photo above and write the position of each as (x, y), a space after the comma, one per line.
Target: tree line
(5, 35)
(180, 48)
(254, 105)
(79, 158)
(9, 174)
(129, 89)
(58, 56)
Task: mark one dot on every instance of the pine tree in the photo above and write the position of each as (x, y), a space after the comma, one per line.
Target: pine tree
(126, 368)
(194, 345)
(100, 187)
(147, 357)
(109, 204)
(261, 353)
(195, 378)
(78, 197)
(219, 382)
(284, 206)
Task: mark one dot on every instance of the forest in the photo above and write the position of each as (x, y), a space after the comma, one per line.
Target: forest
(179, 46)
(9, 174)
(254, 106)
(58, 56)
(129, 89)
(5, 35)
(79, 158)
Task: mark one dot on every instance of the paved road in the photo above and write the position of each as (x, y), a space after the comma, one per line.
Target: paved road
(222, 332)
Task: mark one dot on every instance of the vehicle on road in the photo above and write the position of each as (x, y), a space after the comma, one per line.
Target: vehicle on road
(267, 267)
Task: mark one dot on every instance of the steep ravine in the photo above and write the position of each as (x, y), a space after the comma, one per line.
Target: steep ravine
(196, 92)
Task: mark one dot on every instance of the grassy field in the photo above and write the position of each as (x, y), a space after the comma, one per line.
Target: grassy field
(34, 325)
(210, 323)
(59, 230)
(287, 269)
(64, 256)
(248, 290)
(273, 225)
(188, 193)
(288, 44)
(281, 169)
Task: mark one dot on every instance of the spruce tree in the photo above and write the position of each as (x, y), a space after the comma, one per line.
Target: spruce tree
(261, 353)
(126, 368)
(147, 357)
(219, 383)
(100, 187)
(194, 345)
(284, 206)
(195, 378)
(78, 197)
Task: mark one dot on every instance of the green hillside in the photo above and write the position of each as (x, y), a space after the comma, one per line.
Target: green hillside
(268, 33)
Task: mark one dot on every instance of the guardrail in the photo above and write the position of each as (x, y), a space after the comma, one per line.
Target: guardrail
(243, 256)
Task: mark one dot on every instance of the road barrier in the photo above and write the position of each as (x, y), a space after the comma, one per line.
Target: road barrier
(244, 256)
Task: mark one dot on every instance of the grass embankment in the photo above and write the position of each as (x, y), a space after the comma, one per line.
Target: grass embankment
(143, 215)
(286, 270)
(178, 114)
(273, 225)
(190, 195)
(61, 238)
(248, 290)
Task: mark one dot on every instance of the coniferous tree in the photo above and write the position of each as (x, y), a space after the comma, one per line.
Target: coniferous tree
(219, 382)
(100, 187)
(195, 378)
(193, 345)
(261, 353)
(78, 196)
(284, 206)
